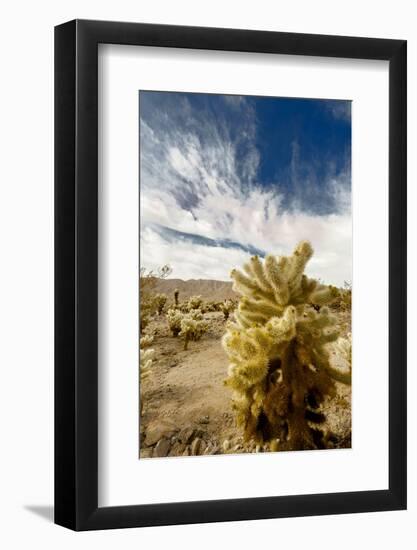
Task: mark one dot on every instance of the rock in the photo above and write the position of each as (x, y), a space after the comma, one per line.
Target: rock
(199, 433)
(186, 435)
(274, 445)
(195, 446)
(177, 449)
(158, 430)
(146, 453)
(161, 448)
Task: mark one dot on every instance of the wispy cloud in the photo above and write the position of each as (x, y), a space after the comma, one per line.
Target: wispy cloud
(341, 110)
(204, 209)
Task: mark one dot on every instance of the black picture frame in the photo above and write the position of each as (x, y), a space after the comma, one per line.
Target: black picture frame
(76, 272)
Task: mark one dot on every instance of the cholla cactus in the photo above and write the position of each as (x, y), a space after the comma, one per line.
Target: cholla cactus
(227, 307)
(209, 306)
(195, 314)
(279, 364)
(147, 282)
(191, 325)
(346, 297)
(160, 301)
(174, 321)
(195, 302)
(146, 341)
(146, 359)
(343, 348)
(146, 356)
(176, 294)
(192, 329)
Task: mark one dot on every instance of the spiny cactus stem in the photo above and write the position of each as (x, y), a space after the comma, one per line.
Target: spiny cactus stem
(286, 362)
(338, 375)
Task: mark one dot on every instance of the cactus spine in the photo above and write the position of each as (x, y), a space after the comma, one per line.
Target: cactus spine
(279, 365)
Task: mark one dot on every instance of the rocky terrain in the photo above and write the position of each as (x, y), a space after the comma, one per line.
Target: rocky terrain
(186, 406)
(207, 289)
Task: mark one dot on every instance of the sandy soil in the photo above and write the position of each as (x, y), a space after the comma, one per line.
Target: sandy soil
(186, 407)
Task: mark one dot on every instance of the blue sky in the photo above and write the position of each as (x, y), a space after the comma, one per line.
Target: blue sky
(225, 177)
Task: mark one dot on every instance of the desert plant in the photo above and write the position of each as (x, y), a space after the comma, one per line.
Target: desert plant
(160, 301)
(147, 282)
(192, 329)
(176, 295)
(195, 314)
(227, 307)
(279, 368)
(174, 318)
(191, 324)
(343, 347)
(195, 302)
(145, 341)
(146, 356)
(346, 297)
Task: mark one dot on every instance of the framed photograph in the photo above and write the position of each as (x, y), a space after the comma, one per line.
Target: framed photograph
(230, 254)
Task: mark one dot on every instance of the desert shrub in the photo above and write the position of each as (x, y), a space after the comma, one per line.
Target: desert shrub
(146, 356)
(227, 307)
(207, 306)
(195, 314)
(145, 341)
(160, 301)
(174, 317)
(279, 369)
(334, 297)
(195, 302)
(343, 347)
(346, 297)
(192, 329)
(342, 298)
(191, 324)
(147, 303)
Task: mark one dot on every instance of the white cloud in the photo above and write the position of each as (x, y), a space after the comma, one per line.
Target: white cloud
(340, 109)
(201, 189)
(329, 235)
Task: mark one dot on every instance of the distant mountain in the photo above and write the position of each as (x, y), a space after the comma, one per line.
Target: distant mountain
(208, 289)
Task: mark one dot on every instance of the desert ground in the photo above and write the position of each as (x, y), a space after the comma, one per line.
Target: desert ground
(187, 409)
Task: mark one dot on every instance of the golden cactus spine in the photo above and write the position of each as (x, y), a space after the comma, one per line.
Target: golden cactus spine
(279, 369)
